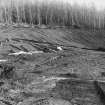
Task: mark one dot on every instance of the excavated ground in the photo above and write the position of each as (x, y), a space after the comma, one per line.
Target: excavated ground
(34, 72)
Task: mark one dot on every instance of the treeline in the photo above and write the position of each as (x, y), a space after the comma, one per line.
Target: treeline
(50, 13)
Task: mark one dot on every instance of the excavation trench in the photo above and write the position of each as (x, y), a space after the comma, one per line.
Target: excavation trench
(75, 90)
(80, 91)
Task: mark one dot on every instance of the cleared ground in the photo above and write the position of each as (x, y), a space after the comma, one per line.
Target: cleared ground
(52, 77)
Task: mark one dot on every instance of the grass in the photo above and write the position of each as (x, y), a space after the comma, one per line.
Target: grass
(50, 13)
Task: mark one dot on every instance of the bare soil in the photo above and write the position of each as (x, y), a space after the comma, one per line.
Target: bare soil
(67, 77)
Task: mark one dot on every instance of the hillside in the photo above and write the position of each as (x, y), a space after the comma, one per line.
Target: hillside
(51, 76)
(30, 39)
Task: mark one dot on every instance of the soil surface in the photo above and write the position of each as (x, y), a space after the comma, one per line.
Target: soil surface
(34, 71)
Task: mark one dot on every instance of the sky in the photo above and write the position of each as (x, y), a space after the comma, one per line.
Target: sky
(99, 4)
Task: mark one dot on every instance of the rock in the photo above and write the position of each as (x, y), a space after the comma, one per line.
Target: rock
(1, 103)
(46, 101)
(28, 101)
(14, 93)
(53, 101)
